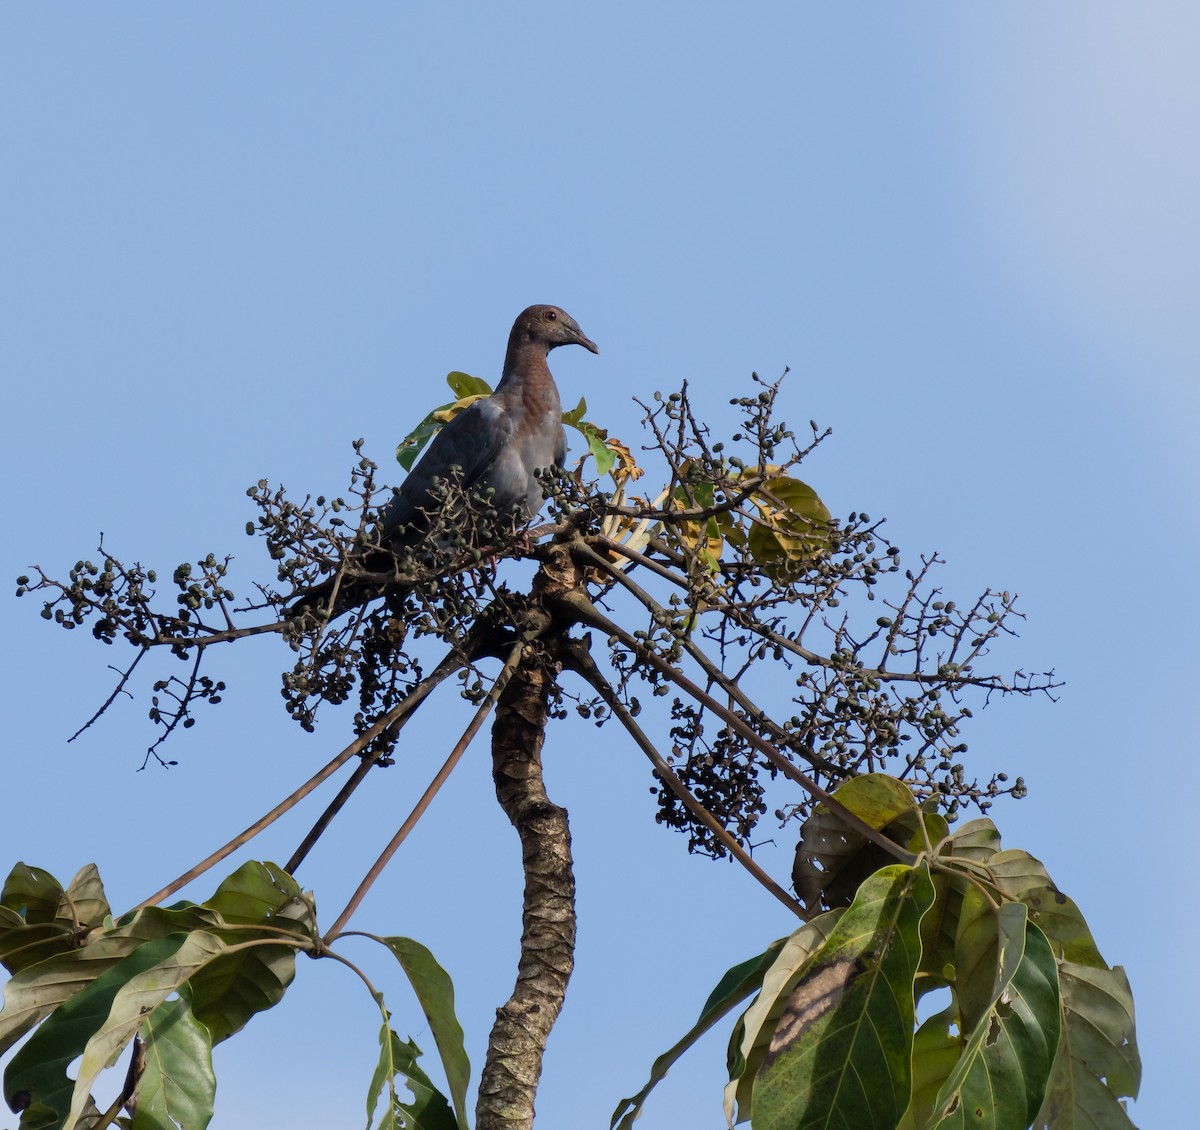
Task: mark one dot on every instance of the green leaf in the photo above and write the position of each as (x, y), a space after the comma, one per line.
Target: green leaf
(751, 1038)
(841, 1053)
(410, 446)
(464, 385)
(604, 456)
(428, 1109)
(140, 994)
(987, 937)
(39, 919)
(575, 417)
(228, 991)
(22, 945)
(37, 1075)
(1000, 1078)
(33, 893)
(258, 892)
(827, 850)
(435, 993)
(38, 989)
(793, 528)
(1021, 876)
(936, 1050)
(737, 984)
(976, 841)
(84, 898)
(1097, 1063)
(234, 986)
(178, 1086)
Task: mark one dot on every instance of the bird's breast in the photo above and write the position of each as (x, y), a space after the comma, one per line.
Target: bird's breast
(514, 474)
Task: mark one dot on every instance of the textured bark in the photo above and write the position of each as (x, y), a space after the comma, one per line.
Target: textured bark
(513, 1065)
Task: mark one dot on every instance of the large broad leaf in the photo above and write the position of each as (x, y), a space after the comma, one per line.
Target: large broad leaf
(410, 447)
(33, 893)
(841, 1053)
(752, 1035)
(38, 918)
(22, 944)
(467, 389)
(794, 527)
(39, 989)
(464, 385)
(1000, 1078)
(435, 992)
(139, 995)
(177, 1087)
(827, 846)
(974, 842)
(1022, 877)
(145, 991)
(737, 984)
(977, 840)
(94, 998)
(936, 1049)
(84, 900)
(36, 1080)
(428, 1108)
(228, 991)
(1097, 1063)
(256, 892)
(988, 938)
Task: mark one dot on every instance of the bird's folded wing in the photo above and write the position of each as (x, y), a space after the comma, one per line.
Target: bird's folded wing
(461, 452)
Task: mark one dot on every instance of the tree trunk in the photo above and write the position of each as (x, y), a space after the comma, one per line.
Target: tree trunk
(514, 1057)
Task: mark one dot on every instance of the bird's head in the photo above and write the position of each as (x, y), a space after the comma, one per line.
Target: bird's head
(550, 326)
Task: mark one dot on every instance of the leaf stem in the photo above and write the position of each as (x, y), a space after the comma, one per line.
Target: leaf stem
(588, 613)
(485, 708)
(399, 711)
(585, 666)
(451, 663)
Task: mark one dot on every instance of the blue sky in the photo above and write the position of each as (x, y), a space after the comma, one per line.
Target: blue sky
(233, 238)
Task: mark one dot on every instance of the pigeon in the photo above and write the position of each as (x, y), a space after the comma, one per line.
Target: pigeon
(490, 452)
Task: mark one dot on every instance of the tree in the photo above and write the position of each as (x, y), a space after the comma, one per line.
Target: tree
(753, 649)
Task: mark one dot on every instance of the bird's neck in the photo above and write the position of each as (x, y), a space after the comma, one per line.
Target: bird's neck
(527, 379)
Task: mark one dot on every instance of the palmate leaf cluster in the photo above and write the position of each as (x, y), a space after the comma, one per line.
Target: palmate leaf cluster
(1038, 1030)
(174, 982)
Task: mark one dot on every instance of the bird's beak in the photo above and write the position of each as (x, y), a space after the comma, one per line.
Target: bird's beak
(586, 342)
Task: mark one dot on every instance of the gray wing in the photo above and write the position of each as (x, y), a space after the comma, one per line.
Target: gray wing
(470, 443)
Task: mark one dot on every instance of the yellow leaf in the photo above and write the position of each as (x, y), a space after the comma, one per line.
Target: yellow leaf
(448, 413)
(793, 528)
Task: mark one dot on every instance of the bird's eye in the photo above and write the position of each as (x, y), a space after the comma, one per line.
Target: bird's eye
(551, 315)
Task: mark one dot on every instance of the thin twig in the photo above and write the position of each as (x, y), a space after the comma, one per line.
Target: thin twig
(125, 677)
(714, 673)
